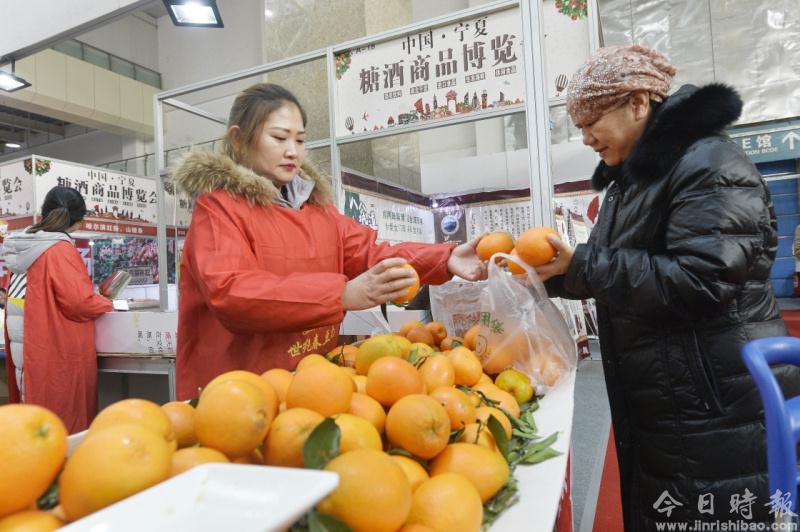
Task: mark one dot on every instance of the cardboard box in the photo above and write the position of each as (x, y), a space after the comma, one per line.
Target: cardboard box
(139, 332)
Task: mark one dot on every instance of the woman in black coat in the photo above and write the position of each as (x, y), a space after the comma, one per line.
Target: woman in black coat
(679, 265)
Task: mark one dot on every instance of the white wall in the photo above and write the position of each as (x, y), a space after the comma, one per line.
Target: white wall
(190, 55)
(28, 22)
(134, 38)
(92, 148)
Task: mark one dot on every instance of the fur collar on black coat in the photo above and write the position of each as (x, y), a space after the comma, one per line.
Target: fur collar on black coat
(684, 118)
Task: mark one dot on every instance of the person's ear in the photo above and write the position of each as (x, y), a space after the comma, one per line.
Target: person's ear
(640, 104)
(235, 137)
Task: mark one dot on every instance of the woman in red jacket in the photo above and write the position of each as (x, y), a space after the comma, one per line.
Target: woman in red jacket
(269, 265)
(50, 314)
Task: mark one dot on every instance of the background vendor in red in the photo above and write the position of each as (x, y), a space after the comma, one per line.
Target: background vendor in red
(50, 315)
(269, 264)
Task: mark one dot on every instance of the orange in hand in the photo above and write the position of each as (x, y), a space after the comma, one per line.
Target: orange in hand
(412, 290)
(533, 246)
(497, 242)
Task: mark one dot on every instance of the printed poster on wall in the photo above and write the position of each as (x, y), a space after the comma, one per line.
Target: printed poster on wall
(394, 221)
(512, 216)
(472, 65)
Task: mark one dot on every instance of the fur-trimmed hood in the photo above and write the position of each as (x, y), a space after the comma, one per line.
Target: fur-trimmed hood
(206, 171)
(687, 116)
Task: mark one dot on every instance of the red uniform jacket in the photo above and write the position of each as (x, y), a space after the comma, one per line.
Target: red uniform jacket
(59, 357)
(261, 284)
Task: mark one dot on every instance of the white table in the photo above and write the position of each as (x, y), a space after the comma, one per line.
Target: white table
(541, 485)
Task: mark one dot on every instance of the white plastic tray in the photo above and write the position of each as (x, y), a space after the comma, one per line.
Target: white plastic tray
(213, 497)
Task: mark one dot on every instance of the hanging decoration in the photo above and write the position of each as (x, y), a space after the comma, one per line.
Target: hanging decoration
(574, 9)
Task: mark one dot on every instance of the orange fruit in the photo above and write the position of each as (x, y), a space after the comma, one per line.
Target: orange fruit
(467, 365)
(482, 414)
(137, 411)
(416, 528)
(487, 470)
(437, 371)
(422, 350)
(533, 248)
(361, 383)
(438, 330)
(254, 457)
(364, 406)
(232, 417)
(31, 455)
(390, 379)
(515, 268)
(412, 290)
(516, 383)
(496, 242)
(181, 416)
(418, 424)
(30, 521)
(450, 342)
(310, 360)
(548, 367)
(373, 494)
(262, 384)
(323, 388)
(485, 379)
(279, 379)
(112, 464)
(471, 336)
(500, 353)
(287, 435)
(185, 459)
(407, 326)
(414, 471)
(506, 400)
(421, 335)
(379, 346)
(447, 502)
(484, 438)
(357, 433)
(343, 355)
(457, 404)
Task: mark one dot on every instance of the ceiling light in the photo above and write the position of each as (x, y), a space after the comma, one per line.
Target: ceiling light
(268, 13)
(194, 13)
(11, 82)
(13, 145)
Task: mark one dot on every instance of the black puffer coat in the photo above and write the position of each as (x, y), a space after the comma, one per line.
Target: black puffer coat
(679, 266)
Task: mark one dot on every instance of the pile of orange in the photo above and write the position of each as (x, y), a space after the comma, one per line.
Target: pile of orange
(532, 247)
(404, 392)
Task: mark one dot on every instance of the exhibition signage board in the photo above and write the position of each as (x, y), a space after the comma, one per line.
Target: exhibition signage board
(770, 145)
(116, 202)
(458, 68)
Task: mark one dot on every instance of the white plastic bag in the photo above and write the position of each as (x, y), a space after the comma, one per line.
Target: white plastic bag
(456, 305)
(521, 328)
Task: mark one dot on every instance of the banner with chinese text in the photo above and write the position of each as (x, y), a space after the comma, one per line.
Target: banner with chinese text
(468, 66)
(394, 221)
(17, 183)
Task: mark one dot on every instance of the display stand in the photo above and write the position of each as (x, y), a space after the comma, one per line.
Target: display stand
(139, 364)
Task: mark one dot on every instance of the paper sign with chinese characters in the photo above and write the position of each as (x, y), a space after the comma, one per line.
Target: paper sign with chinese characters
(472, 65)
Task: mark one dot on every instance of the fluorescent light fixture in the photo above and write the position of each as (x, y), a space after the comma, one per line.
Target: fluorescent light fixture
(11, 83)
(194, 13)
(13, 145)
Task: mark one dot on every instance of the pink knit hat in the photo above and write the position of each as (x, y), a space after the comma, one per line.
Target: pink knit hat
(606, 80)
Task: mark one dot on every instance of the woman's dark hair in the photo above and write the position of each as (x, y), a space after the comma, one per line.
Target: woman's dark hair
(63, 207)
(249, 111)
